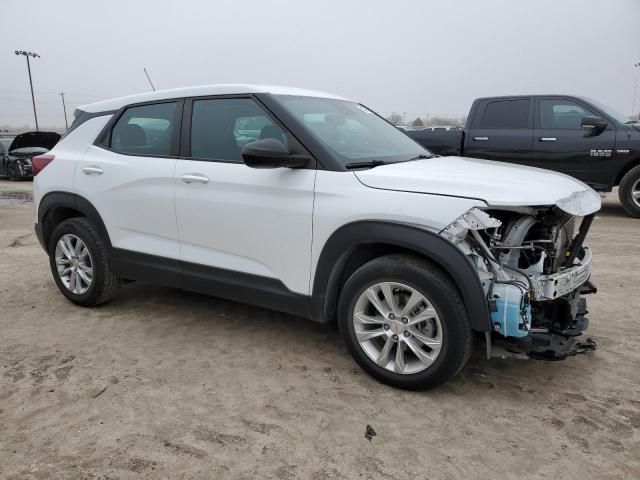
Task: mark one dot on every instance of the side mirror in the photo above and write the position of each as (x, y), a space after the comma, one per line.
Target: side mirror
(594, 124)
(271, 153)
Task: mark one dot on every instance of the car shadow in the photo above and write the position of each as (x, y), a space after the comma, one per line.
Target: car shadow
(176, 313)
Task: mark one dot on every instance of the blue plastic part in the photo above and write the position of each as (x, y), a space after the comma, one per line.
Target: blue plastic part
(512, 317)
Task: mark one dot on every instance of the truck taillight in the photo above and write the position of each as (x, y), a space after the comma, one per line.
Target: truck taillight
(38, 163)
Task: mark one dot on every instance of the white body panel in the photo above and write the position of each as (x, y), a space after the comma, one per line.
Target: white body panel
(342, 199)
(134, 196)
(498, 184)
(249, 220)
(59, 176)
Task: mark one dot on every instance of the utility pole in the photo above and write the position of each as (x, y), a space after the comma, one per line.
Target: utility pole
(635, 90)
(64, 108)
(33, 98)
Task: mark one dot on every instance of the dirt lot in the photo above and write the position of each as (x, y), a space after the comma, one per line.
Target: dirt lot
(166, 384)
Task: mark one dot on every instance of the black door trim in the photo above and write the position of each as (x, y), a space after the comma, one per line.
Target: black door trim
(218, 282)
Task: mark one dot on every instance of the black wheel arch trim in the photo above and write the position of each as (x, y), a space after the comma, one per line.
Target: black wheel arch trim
(346, 240)
(54, 200)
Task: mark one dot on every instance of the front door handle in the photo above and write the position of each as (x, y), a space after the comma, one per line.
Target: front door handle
(194, 178)
(547, 139)
(92, 170)
(481, 139)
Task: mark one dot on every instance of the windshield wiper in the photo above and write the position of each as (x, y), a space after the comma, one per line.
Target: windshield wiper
(422, 156)
(367, 164)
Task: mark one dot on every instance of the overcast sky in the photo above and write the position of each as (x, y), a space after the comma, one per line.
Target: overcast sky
(416, 57)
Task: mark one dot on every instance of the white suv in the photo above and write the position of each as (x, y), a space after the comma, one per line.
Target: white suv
(314, 205)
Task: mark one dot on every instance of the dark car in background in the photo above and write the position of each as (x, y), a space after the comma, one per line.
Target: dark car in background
(16, 157)
(572, 135)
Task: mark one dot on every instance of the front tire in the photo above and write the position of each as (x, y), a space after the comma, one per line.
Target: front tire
(80, 264)
(629, 192)
(13, 172)
(404, 322)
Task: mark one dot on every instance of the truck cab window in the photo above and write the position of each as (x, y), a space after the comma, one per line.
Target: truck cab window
(506, 114)
(562, 114)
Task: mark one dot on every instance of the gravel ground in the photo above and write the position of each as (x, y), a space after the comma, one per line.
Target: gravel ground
(161, 383)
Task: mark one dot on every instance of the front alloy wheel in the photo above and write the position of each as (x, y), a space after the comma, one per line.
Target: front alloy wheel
(404, 322)
(397, 327)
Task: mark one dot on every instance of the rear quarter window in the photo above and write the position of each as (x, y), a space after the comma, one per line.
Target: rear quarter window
(145, 130)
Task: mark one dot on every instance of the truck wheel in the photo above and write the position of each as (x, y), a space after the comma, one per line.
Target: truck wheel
(629, 192)
(404, 322)
(79, 263)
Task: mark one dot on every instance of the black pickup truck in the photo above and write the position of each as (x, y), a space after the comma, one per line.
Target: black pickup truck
(572, 135)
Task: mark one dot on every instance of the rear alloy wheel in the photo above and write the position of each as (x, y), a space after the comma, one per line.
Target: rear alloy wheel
(74, 264)
(629, 192)
(404, 322)
(80, 263)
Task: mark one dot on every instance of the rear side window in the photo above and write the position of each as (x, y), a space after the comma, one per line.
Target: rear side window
(145, 130)
(506, 114)
(221, 127)
(562, 114)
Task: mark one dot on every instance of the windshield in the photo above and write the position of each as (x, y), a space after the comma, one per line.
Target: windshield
(617, 116)
(351, 131)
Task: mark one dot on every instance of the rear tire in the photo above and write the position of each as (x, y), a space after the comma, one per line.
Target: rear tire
(629, 192)
(13, 173)
(433, 350)
(80, 264)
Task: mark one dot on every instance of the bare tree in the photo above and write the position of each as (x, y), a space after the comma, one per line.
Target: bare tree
(395, 118)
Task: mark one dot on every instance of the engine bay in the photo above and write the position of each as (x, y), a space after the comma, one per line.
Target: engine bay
(535, 269)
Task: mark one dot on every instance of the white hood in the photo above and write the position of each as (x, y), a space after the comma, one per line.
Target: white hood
(496, 183)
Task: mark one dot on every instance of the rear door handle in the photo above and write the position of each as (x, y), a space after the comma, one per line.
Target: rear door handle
(194, 178)
(92, 170)
(481, 139)
(547, 139)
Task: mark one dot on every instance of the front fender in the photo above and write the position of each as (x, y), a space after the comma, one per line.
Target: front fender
(346, 240)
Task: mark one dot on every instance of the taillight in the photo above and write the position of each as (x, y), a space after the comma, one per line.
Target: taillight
(38, 163)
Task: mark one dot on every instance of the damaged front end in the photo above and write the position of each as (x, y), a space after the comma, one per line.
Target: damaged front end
(535, 269)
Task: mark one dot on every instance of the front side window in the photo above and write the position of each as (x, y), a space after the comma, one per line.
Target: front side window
(507, 114)
(221, 127)
(145, 130)
(351, 131)
(562, 114)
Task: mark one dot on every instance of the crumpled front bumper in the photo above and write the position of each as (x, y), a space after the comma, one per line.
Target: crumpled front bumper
(559, 284)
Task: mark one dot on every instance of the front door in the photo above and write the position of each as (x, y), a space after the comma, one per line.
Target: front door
(240, 225)
(561, 144)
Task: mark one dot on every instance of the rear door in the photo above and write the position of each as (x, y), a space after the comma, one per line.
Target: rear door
(128, 178)
(502, 130)
(240, 225)
(561, 144)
